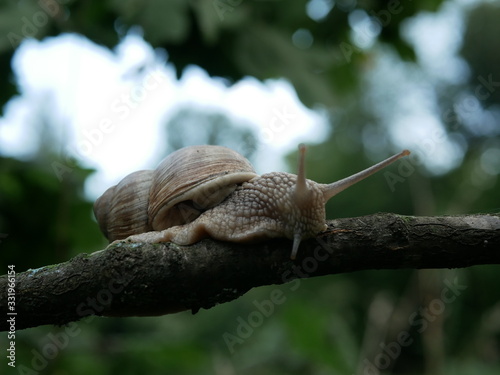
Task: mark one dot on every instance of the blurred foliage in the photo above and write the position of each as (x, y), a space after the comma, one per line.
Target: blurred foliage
(479, 51)
(189, 127)
(338, 324)
(229, 39)
(43, 215)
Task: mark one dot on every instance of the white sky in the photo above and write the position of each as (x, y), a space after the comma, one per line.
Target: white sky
(112, 118)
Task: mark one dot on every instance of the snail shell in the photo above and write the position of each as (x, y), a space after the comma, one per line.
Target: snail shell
(123, 209)
(186, 183)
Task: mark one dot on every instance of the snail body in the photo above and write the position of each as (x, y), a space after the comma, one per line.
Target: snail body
(212, 191)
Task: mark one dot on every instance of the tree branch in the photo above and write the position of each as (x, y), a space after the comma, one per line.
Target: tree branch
(145, 279)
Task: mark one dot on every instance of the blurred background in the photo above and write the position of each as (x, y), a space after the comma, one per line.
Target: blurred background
(93, 90)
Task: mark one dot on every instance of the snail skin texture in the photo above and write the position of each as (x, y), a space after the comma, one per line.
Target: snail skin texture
(213, 191)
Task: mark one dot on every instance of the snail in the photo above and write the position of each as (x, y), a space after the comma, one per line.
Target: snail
(213, 191)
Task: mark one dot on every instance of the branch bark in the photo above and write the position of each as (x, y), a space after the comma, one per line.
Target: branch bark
(146, 279)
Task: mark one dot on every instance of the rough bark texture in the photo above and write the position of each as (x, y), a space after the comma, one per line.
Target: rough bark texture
(145, 279)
